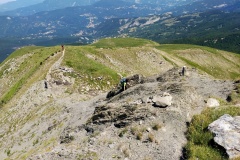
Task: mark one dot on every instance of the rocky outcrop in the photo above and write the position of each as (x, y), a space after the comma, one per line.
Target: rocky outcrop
(227, 135)
(119, 115)
(131, 81)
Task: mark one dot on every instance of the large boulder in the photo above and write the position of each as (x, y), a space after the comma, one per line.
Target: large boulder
(162, 101)
(227, 135)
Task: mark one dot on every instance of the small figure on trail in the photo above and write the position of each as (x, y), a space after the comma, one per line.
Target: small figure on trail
(183, 70)
(123, 83)
(62, 47)
(45, 84)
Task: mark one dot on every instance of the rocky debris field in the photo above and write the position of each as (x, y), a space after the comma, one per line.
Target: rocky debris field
(146, 121)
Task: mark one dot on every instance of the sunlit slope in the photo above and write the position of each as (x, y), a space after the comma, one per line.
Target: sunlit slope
(24, 67)
(108, 58)
(217, 63)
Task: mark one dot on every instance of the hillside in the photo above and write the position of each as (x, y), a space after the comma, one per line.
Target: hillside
(71, 117)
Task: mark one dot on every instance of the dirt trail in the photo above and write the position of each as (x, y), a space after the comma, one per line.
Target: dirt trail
(55, 66)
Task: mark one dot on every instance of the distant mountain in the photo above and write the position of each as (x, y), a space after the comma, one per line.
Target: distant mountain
(25, 8)
(47, 5)
(205, 5)
(78, 21)
(233, 8)
(17, 4)
(213, 28)
(70, 21)
(213, 23)
(163, 2)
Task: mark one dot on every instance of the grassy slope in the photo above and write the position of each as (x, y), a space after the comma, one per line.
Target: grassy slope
(217, 63)
(24, 63)
(108, 57)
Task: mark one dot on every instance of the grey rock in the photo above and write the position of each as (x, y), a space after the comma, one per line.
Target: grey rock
(148, 129)
(211, 102)
(163, 100)
(227, 135)
(111, 146)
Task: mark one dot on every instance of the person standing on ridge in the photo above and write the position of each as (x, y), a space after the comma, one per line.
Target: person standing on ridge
(123, 83)
(183, 70)
(62, 47)
(45, 84)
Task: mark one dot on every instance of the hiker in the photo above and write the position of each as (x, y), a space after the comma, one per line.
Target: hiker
(183, 70)
(45, 84)
(123, 83)
(62, 47)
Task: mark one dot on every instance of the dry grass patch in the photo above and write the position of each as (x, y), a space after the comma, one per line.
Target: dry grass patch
(156, 126)
(151, 137)
(139, 135)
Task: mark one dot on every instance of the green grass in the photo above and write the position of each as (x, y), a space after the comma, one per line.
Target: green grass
(22, 51)
(15, 88)
(76, 58)
(170, 61)
(123, 42)
(216, 70)
(200, 140)
(172, 47)
(175, 47)
(26, 69)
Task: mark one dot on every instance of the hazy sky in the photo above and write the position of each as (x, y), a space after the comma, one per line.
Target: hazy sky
(5, 1)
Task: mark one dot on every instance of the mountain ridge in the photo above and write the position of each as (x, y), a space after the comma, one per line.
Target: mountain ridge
(70, 118)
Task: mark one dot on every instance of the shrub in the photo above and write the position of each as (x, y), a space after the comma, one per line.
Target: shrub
(156, 126)
(151, 137)
(126, 152)
(134, 130)
(123, 132)
(139, 136)
(8, 152)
